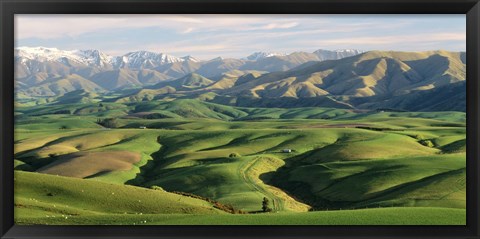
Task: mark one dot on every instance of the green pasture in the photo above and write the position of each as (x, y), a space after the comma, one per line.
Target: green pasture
(343, 167)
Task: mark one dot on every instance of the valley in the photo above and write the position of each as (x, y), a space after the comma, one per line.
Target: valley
(235, 156)
(327, 138)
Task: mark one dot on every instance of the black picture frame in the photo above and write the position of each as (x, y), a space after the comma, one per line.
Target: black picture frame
(11, 7)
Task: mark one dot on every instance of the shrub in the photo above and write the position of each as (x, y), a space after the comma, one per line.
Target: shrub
(419, 137)
(154, 187)
(233, 155)
(224, 207)
(427, 143)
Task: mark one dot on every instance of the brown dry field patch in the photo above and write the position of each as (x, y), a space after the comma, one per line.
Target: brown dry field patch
(85, 164)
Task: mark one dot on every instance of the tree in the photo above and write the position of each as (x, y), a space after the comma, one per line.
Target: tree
(108, 123)
(266, 205)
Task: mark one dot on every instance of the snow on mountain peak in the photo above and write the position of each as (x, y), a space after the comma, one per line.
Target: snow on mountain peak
(143, 59)
(217, 59)
(87, 57)
(353, 51)
(190, 58)
(134, 60)
(36, 50)
(336, 54)
(259, 55)
(40, 52)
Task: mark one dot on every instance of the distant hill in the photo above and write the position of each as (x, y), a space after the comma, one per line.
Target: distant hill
(125, 78)
(61, 85)
(368, 74)
(372, 79)
(186, 83)
(78, 96)
(349, 79)
(140, 68)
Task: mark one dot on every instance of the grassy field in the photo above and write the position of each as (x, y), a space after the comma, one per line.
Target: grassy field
(345, 167)
(45, 199)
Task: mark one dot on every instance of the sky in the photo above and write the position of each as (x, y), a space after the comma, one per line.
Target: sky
(210, 36)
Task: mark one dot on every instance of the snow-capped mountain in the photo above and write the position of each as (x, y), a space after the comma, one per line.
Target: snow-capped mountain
(143, 59)
(44, 54)
(217, 59)
(260, 55)
(336, 54)
(95, 58)
(41, 69)
(190, 58)
(321, 54)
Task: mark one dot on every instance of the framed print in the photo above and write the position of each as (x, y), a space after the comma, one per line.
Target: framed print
(259, 119)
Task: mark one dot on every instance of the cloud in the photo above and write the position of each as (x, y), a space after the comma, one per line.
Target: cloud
(397, 39)
(188, 30)
(412, 42)
(40, 26)
(239, 35)
(203, 51)
(273, 26)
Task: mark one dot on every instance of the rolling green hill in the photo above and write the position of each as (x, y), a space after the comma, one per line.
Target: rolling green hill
(376, 138)
(78, 96)
(191, 108)
(51, 200)
(340, 159)
(59, 200)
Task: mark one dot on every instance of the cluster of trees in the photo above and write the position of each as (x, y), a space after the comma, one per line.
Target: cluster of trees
(108, 122)
(425, 142)
(376, 129)
(60, 112)
(224, 207)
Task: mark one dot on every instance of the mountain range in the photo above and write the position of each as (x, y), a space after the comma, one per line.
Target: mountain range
(413, 81)
(37, 68)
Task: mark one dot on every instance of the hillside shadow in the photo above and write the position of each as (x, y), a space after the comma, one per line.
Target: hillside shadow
(300, 191)
(147, 171)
